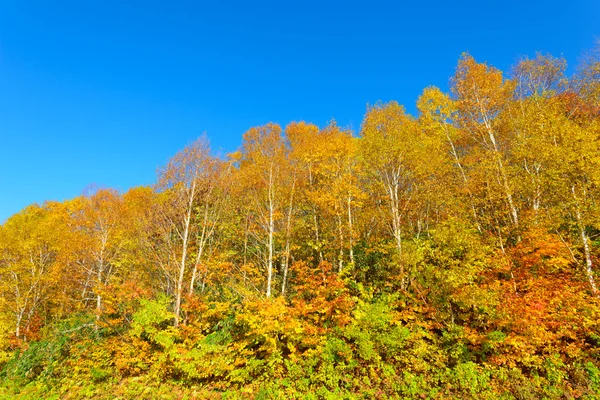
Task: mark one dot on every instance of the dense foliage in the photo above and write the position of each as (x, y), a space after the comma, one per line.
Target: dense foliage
(452, 254)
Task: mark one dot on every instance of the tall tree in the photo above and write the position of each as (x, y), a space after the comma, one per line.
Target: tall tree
(305, 148)
(30, 246)
(263, 166)
(98, 223)
(187, 180)
(390, 148)
(437, 119)
(481, 94)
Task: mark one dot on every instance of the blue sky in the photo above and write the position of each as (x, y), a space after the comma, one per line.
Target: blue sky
(103, 92)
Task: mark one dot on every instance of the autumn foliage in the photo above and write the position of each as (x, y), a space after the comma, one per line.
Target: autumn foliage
(448, 254)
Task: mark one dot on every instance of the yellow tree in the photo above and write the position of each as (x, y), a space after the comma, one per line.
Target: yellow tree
(187, 185)
(349, 192)
(329, 164)
(216, 183)
(263, 166)
(140, 226)
(304, 154)
(534, 120)
(31, 242)
(576, 180)
(481, 93)
(587, 81)
(99, 239)
(555, 136)
(391, 149)
(437, 117)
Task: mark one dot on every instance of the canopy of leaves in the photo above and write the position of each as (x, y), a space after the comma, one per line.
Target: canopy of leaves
(451, 254)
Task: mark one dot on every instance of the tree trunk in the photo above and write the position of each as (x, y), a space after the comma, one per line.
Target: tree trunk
(513, 209)
(463, 175)
(586, 245)
(201, 243)
(186, 232)
(271, 229)
(393, 188)
(341, 252)
(350, 230)
(288, 228)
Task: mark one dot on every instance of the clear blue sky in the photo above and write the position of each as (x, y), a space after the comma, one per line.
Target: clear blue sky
(103, 92)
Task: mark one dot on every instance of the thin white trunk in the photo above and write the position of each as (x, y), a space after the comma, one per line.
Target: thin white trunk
(463, 175)
(271, 231)
(98, 299)
(534, 173)
(500, 164)
(204, 236)
(18, 327)
(288, 235)
(588, 261)
(396, 218)
(341, 252)
(393, 187)
(99, 282)
(350, 229)
(186, 232)
(586, 245)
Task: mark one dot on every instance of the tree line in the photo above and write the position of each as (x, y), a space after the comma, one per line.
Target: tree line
(478, 213)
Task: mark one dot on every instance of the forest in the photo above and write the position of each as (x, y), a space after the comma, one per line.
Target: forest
(449, 254)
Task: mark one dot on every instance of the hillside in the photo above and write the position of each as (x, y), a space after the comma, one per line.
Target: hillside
(449, 254)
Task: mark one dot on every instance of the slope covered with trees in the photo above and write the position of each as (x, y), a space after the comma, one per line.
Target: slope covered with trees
(451, 254)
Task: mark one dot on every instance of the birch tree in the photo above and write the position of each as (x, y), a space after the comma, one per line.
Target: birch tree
(186, 181)
(30, 246)
(99, 229)
(390, 148)
(481, 94)
(263, 163)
